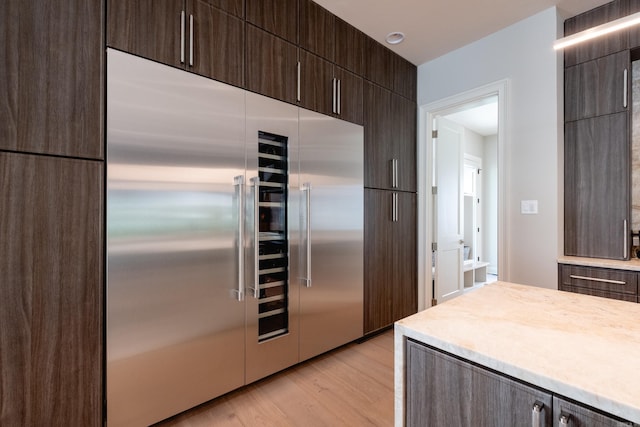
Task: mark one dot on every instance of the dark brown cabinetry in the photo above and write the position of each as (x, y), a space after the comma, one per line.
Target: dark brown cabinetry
(271, 65)
(51, 283)
(445, 390)
(190, 34)
(597, 187)
(390, 241)
(279, 17)
(405, 78)
(234, 7)
(351, 45)
(378, 66)
(52, 51)
(601, 282)
(390, 140)
(317, 30)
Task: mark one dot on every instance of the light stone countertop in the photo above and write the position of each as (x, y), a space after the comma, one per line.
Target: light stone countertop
(581, 347)
(632, 264)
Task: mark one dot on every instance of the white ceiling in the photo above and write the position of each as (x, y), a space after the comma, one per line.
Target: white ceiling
(482, 118)
(436, 27)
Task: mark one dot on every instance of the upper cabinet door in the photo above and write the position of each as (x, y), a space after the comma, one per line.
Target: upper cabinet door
(601, 46)
(316, 90)
(378, 65)
(279, 17)
(317, 29)
(378, 145)
(218, 43)
(405, 76)
(53, 50)
(271, 65)
(152, 29)
(234, 7)
(404, 142)
(597, 87)
(351, 45)
(349, 96)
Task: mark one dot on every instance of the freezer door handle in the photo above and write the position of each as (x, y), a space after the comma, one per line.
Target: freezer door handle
(182, 39)
(238, 183)
(306, 188)
(255, 185)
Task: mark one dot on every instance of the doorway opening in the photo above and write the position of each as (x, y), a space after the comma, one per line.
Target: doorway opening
(461, 220)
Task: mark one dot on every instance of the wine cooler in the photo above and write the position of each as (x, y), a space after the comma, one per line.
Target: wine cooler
(273, 249)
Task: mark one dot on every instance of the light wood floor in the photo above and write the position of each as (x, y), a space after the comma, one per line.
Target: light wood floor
(350, 386)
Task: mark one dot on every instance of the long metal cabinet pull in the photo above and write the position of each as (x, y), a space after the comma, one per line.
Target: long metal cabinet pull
(339, 97)
(334, 108)
(238, 182)
(182, 41)
(255, 184)
(536, 419)
(625, 240)
(563, 421)
(595, 279)
(306, 188)
(625, 89)
(298, 83)
(394, 207)
(394, 173)
(191, 30)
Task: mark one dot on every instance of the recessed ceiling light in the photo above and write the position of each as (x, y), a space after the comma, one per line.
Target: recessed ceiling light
(395, 37)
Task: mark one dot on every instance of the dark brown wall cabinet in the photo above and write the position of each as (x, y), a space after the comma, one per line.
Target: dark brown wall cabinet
(390, 140)
(597, 146)
(190, 34)
(317, 30)
(601, 282)
(351, 45)
(390, 242)
(597, 187)
(444, 390)
(279, 17)
(52, 51)
(51, 284)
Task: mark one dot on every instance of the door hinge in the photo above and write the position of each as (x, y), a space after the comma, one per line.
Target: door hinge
(434, 134)
(434, 190)
(478, 229)
(434, 246)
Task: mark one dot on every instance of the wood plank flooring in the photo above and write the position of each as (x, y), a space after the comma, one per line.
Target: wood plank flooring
(350, 386)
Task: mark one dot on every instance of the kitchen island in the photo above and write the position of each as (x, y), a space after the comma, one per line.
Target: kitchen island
(561, 348)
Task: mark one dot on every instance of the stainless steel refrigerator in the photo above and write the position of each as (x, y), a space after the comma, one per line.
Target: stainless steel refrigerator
(234, 238)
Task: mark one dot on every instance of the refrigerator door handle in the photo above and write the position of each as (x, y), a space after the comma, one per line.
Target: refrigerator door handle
(191, 30)
(306, 188)
(182, 40)
(238, 183)
(255, 184)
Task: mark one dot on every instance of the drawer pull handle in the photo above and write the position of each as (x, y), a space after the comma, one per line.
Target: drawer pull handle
(594, 279)
(536, 411)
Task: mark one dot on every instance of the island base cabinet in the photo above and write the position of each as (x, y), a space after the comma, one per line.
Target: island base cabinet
(444, 391)
(575, 415)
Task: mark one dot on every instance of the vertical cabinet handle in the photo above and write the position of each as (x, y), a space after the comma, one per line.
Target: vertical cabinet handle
(298, 96)
(394, 173)
(394, 207)
(191, 30)
(238, 183)
(536, 411)
(306, 188)
(182, 40)
(334, 108)
(255, 185)
(339, 108)
(625, 250)
(564, 419)
(625, 88)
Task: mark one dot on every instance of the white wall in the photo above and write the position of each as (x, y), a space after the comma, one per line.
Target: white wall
(523, 54)
(490, 203)
(473, 143)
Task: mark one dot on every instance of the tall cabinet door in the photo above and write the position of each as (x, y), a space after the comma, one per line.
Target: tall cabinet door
(378, 148)
(405, 255)
(176, 161)
(597, 210)
(51, 285)
(52, 51)
(332, 233)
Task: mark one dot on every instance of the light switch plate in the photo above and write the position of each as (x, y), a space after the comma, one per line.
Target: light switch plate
(528, 207)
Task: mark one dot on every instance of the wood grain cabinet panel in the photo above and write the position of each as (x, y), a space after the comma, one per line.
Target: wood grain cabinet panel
(601, 46)
(316, 79)
(580, 416)
(317, 29)
(234, 7)
(351, 96)
(378, 66)
(390, 269)
(405, 78)
(442, 390)
(279, 17)
(597, 87)
(271, 68)
(52, 50)
(601, 282)
(597, 187)
(351, 45)
(51, 280)
(153, 29)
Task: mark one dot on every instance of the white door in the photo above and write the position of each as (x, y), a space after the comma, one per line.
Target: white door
(449, 209)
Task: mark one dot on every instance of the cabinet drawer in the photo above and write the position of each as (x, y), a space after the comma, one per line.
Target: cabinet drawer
(598, 293)
(600, 279)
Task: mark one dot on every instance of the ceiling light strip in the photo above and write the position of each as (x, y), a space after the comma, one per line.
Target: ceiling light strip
(600, 30)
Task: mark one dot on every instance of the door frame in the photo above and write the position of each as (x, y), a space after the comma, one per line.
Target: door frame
(426, 115)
